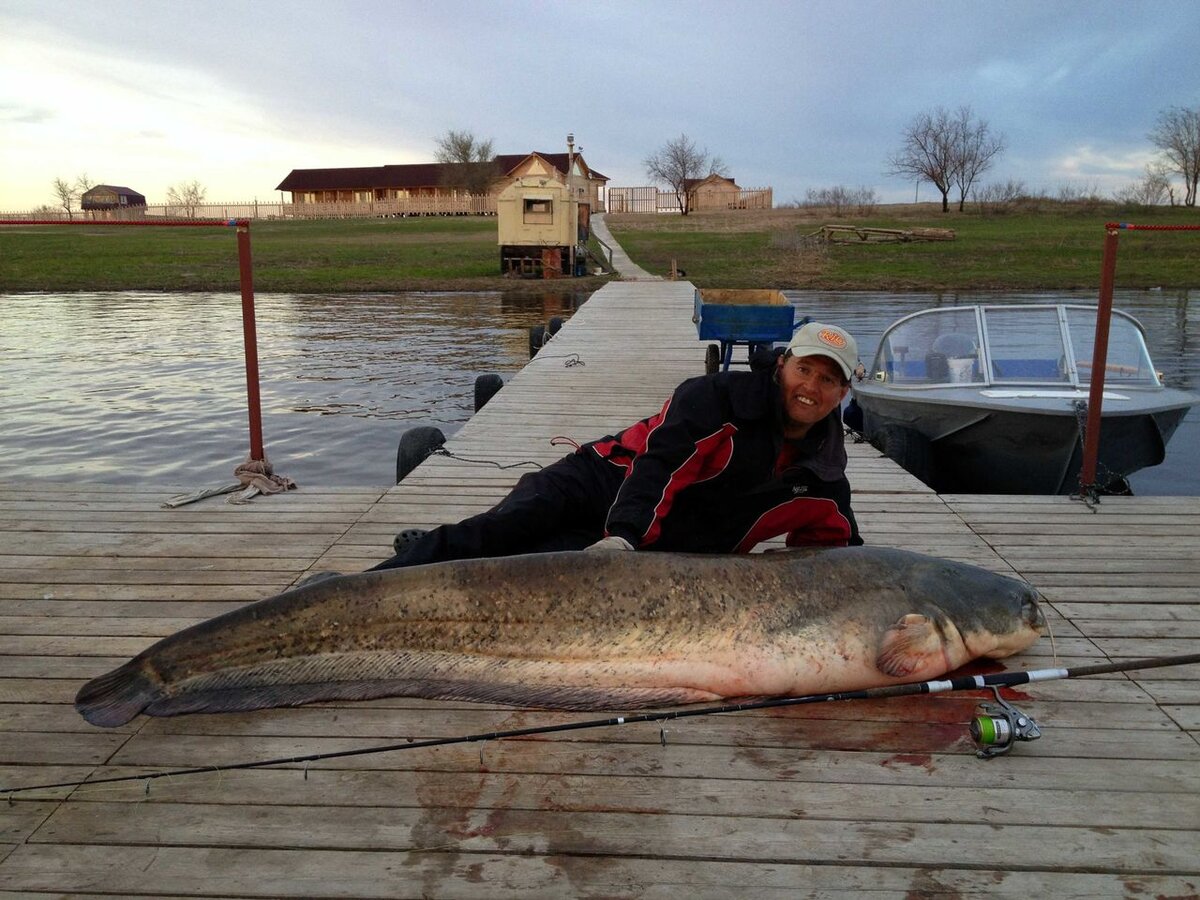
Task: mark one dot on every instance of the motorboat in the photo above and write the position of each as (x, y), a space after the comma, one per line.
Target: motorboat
(993, 398)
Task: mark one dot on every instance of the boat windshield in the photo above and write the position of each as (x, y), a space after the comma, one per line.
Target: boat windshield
(1005, 345)
(1026, 344)
(938, 346)
(1128, 361)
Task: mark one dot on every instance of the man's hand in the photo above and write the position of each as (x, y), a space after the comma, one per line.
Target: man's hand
(612, 542)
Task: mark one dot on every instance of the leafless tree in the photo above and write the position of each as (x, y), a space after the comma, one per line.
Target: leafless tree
(1152, 190)
(184, 197)
(678, 163)
(976, 146)
(470, 163)
(1177, 135)
(69, 192)
(947, 149)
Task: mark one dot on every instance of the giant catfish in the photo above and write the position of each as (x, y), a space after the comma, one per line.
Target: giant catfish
(585, 630)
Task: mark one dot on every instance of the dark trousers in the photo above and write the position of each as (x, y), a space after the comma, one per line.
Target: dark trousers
(560, 507)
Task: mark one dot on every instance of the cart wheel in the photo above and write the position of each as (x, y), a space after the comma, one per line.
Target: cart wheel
(712, 359)
(486, 387)
(416, 445)
(537, 338)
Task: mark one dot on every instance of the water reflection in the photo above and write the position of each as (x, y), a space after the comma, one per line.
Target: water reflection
(143, 387)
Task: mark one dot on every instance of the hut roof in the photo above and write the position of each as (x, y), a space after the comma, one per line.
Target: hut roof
(409, 175)
(87, 199)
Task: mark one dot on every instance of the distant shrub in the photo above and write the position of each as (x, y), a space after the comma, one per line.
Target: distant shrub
(840, 199)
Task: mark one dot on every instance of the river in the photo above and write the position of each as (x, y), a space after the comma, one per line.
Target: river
(147, 388)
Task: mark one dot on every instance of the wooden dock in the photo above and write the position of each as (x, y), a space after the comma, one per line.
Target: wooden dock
(877, 798)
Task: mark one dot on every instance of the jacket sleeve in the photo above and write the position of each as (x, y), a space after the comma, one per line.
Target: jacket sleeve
(690, 441)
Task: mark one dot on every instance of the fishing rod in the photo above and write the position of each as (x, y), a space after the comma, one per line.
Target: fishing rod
(995, 731)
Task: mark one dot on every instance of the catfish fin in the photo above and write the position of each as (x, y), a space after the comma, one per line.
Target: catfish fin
(115, 697)
(909, 646)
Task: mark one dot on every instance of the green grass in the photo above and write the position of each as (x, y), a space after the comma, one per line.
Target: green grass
(1056, 246)
(430, 253)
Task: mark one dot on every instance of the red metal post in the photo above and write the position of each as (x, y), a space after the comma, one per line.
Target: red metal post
(250, 338)
(1091, 441)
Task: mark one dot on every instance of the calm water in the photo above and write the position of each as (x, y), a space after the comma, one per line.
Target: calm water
(138, 387)
(128, 388)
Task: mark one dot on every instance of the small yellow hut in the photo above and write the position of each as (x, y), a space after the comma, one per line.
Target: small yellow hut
(543, 216)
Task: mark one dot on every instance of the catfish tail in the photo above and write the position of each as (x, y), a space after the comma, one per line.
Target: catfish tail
(115, 697)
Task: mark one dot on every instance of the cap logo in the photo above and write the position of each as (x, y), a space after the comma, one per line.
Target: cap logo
(832, 338)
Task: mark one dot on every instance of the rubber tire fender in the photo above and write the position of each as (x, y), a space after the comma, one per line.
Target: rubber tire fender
(415, 446)
(486, 387)
(537, 339)
(554, 325)
(908, 448)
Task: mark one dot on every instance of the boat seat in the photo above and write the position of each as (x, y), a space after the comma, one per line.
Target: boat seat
(945, 347)
(937, 367)
(953, 344)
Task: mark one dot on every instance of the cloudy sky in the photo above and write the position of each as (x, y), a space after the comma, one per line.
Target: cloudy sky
(794, 95)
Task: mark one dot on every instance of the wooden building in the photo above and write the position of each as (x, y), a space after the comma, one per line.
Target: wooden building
(543, 216)
(423, 187)
(719, 192)
(108, 201)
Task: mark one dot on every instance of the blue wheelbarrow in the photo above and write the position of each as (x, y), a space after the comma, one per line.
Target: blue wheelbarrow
(755, 318)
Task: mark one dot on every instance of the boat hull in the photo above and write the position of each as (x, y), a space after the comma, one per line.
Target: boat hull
(977, 446)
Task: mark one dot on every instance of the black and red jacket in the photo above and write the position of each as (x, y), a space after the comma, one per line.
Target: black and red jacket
(711, 472)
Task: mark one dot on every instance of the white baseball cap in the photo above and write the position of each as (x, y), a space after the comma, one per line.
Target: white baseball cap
(815, 339)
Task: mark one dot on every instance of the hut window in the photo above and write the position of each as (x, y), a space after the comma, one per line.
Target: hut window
(539, 211)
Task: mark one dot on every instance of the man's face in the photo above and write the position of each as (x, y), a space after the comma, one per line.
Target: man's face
(810, 386)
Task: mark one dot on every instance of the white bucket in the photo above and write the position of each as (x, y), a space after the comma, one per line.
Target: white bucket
(960, 369)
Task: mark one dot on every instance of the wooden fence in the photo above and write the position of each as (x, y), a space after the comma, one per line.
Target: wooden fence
(257, 209)
(652, 200)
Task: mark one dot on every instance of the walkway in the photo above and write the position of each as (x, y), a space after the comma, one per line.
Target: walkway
(626, 267)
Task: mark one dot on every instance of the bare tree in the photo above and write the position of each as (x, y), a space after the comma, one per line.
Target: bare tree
(470, 164)
(185, 197)
(1177, 135)
(67, 194)
(976, 147)
(1152, 190)
(678, 163)
(947, 149)
(927, 152)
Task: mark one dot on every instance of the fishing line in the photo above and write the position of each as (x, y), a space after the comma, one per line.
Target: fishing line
(964, 683)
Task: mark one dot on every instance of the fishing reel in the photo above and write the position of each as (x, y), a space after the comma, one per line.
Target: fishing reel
(999, 726)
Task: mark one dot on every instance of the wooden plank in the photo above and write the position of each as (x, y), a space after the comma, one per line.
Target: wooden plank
(551, 875)
(732, 838)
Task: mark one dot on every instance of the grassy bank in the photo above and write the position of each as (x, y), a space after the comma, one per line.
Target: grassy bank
(1055, 247)
(326, 256)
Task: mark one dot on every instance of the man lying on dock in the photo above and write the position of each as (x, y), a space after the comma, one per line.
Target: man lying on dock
(732, 459)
